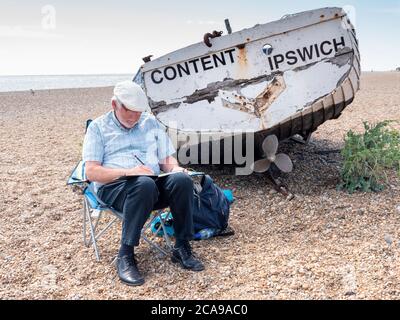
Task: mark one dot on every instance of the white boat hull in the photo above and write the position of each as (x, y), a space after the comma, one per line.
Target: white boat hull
(285, 77)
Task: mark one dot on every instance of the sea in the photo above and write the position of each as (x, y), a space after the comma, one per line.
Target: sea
(44, 82)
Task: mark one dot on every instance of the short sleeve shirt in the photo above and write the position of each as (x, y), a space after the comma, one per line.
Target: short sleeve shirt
(114, 146)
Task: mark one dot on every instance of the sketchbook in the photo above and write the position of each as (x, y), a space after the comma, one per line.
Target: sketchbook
(161, 175)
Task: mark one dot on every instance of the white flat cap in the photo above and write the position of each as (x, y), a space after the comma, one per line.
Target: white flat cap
(132, 96)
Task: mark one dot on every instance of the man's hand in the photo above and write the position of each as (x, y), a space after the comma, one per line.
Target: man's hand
(179, 169)
(170, 164)
(96, 172)
(140, 170)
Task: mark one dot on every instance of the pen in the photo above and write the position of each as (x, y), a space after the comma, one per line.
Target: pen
(137, 158)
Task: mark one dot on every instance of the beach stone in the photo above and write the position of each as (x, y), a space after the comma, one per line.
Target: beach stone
(275, 246)
(388, 239)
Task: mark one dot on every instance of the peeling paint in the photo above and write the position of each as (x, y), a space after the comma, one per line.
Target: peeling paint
(161, 106)
(259, 90)
(260, 104)
(269, 95)
(342, 57)
(211, 91)
(305, 67)
(342, 78)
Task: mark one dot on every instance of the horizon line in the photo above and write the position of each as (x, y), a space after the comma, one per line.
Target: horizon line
(66, 74)
(133, 74)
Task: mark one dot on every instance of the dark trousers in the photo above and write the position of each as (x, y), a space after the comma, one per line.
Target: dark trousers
(137, 197)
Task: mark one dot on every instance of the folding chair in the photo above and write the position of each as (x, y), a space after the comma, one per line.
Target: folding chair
(94, 209)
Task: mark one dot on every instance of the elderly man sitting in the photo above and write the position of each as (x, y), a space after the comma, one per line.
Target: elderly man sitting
(128, 141)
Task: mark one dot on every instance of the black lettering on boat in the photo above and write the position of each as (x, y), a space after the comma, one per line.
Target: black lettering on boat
(306, 54)
(317, 50)
(230, 52)
(323, 50)
(168, 77)
(193, 62)
(197, 65)
(153, 78)
(291, 57)
(270, 63)
(218, 59)
(279, 58)
(185, 70)
(337, 44)
(206, 61)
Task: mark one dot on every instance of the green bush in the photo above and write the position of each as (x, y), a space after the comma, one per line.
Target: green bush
(367, 157)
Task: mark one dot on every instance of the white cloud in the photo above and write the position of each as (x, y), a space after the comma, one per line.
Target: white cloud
(205, 22)
(395, 11)
(27, 32)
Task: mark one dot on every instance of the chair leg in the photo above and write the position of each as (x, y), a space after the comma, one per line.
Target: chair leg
(92, 239)
(106, 227)
(93, 225)
(163, 251)
(165, 234)
(84, 221)
(86, 239)
(151, 243)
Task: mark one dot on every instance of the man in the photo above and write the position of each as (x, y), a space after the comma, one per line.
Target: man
(128, 141)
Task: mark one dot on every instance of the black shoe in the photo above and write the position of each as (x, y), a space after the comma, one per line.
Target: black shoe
(184, 256)
(128, 271)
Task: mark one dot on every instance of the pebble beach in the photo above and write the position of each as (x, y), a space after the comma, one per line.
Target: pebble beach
(322, 244)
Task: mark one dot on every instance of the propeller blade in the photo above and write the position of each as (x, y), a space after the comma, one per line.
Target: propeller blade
(283, 162)
(270, 145)
(261, 166)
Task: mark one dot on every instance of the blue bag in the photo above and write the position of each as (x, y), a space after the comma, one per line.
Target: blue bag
(168, 224)
(210, 210)
(210, 207)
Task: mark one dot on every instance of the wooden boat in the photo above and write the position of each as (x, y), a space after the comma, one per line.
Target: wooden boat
(284, 78)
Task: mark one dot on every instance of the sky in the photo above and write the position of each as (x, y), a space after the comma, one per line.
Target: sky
(102, 37)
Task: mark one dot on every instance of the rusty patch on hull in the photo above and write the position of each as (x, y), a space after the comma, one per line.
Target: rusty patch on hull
(211, 91)
(161, 106)
(260, 104)
(269, 95)
(342, 57)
